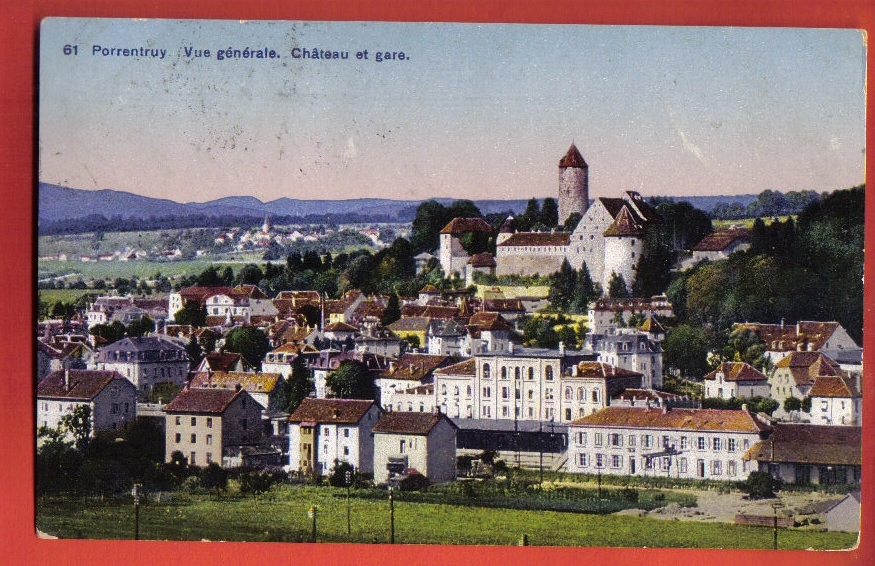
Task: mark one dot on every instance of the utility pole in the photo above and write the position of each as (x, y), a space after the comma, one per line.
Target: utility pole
(312, 515)
(348, 478)
(775, 525)
(136, 493)
(391, 517)
(541, 451)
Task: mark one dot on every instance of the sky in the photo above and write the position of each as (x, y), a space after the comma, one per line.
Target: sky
(476, 111)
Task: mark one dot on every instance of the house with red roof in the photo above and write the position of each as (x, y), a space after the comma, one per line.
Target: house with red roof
(323, 432)
(804, 336)
(835, 400)
(796, 373)
(669, 442)
(810, 453)
(736, 379)
(111, 398)
(425, 442)
(453, 257)
(212, 425)
(719, 245)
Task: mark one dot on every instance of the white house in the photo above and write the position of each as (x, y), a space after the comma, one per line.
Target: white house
(325, 431)
(111, 398)
(629, 349)
(736, 379)
(425, 442)
(146, 361)
(835, 400)
(682, 443)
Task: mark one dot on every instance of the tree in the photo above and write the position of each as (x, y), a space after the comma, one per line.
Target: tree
(572, 221)
(563, 284)
(351, 380)
(549, 212)
(792, 404)
(760, 485)
(249, 342)
(191, 314)
(686, 350)
(393, 310)
(109, 332)
(78, 425)
(300, 384)
(585, 292)
(429, 221)
(214, 478)
(617, 288)
(249, 274)
(194, 351)
(338, 474)
(141, 326)
(209, 277)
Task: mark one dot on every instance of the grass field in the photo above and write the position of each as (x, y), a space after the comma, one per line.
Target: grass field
(282, 516)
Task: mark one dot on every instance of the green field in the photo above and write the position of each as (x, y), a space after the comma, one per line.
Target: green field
(282, 516)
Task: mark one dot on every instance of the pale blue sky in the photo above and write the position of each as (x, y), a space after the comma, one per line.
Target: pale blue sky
(478, 111)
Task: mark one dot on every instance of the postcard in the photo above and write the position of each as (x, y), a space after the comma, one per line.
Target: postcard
(450, 284)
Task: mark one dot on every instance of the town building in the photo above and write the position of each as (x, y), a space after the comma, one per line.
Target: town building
(425, 442)
(736, 379)
(453, 257)
(408, 371)
(111, 398)
(323, 432)
(269, 390)
(682, 443)
(212, 426)
(810, 454)
(146, 361)
(804, 336)
(719, 245)
(795, 374)
(631, 350)
(835, 400)
(607, 314)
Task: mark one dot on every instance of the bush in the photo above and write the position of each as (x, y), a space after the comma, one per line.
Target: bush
(760, 485)
(255, 483)
(413, 482)
(338, 476)
(214, 478)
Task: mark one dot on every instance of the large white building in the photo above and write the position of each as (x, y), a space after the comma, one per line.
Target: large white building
(111, 398)
(682, 443)
(145, 361)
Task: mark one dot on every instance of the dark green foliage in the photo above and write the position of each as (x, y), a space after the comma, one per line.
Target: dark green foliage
(300, 384)
(214, 478)
(760, 485)
(58, 466)
(538, 331)
(549, 216)
(249, 342)
(195, 352)
(256, 483)
(393, 310)
(78, 424)
(685, 349)
(141, 326)
(191, 314)
(110, 332)
(563, 284)
(792, 404)
(351, 380)
(617, 288)
(146, 438)
(571, 222)
(209, 277)
(164, 392)
(249, 274)
(338, 475)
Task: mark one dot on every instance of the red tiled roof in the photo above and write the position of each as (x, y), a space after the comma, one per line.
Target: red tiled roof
(410, 324)
(436, 311)
(537, 239)
(197, 400)
(430, 290)
(483, 259)
(219, 361)
(806, 367)
(721, 239)
(251, 382)
(84, 385)
(340, 327)
(833, 386)
(467, 367)
(603, 370)
(489, 321)
(414, 367)
(410, 310)
(409, 423)
(572, 158)
(341, 411)
(810, 444)
(625, 224)
(251, 291)
(680, 419)
(465, 225)
(201, 294)
(779, 337)
(737, 371)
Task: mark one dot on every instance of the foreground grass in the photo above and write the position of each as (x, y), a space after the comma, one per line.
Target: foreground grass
(282, 516)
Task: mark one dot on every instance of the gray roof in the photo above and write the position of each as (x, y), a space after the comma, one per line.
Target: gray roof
(507, 425)
(140, 349)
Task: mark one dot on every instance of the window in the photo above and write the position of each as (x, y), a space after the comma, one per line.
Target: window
(209, 457)
(599, 460)
(468, 391)
(685, 442)
(730, 444)
(178, 420)
(730, 468)
(548, 393)
(443, 389)
(193, 438)
(581, 438)
(127, 408)
(616, 461)
(682, 465)
(346, 450)
(631, 440)
(486, 371)
(326, 431)
(114, 409)
(715, 468)
(531, 373)
(598, 439)
(194, 421)
(548, 373)
(456, 391)
(402, 446)
(209, 422)
(666, 442)
(568, 393)
(209, 439)
(487, 392)
(581, 394)
(505, 412)
(346, 433)
(615, 439)
(647, 440)
(504, 372)
(178, 438)
(192, 461)
(505, 393)
(516, 373)
(701, 443)
(716, 444)
(531, 412)
(595, 395)
(583, 460)
(243, 424)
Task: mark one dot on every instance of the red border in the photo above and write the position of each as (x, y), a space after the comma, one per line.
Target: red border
(18, 58)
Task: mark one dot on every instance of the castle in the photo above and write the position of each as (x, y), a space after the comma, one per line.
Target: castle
(609, 238)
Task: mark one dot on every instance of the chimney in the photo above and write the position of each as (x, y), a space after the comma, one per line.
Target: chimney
(67, 378)
(782, 324)
(510, 348)
(562, 348)
(744, 407)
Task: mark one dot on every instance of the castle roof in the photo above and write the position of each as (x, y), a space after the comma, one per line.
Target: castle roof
(572, 158)
(483, 259)
(626, 223)
(465, 225)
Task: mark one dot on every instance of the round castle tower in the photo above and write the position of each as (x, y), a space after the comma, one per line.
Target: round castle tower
(573, 184)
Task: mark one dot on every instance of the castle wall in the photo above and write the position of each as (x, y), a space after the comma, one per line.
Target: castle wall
(573, 191)
(588, 241)
(453, 256)
(528, 262)
(622, 254)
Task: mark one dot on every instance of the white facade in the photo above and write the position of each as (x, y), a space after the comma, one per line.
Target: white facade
(631, 350)
(113, 407)
(622, 254)
(341, 442)
(431, 453)
(588, 243)
(682, 443)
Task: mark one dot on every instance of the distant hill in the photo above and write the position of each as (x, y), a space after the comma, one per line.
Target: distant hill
(59, 205)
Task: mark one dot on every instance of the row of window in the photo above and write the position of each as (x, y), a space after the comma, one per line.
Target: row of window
(548, 393)
(663, 464)
(517, 373)
(665, 441)
(193, 438)
(194, 421)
